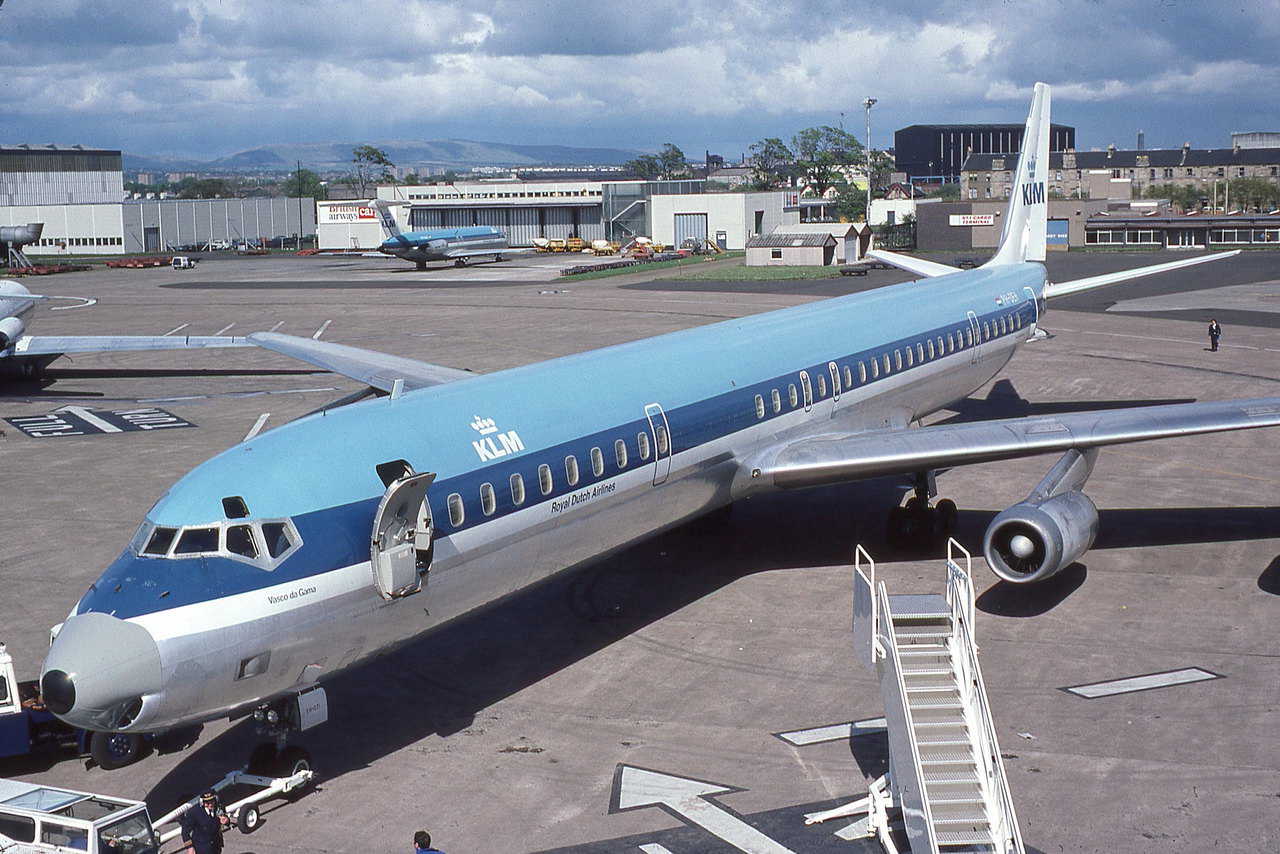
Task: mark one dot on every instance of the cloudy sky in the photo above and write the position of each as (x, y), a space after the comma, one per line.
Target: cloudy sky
(211, 77)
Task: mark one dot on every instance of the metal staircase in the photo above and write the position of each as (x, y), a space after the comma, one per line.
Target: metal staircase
(945, 774)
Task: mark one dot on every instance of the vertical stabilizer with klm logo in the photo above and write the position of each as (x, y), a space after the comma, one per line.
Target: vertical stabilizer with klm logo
(388, 218)
(1026, 219)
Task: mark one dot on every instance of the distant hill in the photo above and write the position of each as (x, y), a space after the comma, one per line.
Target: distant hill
(443, 153)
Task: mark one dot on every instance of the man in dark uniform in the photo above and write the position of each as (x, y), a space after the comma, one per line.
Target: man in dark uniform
(1215, 332)
(202, 825)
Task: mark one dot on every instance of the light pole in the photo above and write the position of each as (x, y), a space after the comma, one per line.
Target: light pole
(868, 104)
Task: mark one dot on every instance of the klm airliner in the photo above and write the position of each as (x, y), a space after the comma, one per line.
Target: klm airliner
(293, 556)
(458, 244)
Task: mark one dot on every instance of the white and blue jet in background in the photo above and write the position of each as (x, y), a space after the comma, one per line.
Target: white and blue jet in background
(293, 556)
(458, 245)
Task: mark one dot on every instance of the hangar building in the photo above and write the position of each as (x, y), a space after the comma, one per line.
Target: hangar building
(939, 151)
(59, 175)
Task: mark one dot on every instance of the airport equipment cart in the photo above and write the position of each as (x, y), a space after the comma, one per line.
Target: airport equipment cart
(36, 819)
(244, 812)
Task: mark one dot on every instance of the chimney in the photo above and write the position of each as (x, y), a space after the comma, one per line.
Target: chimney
(1142, 141)
(1111, 150)
(1186, 149)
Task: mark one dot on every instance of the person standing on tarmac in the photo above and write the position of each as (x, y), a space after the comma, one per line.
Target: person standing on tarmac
(1215, 332)
(422, 844)
(202, 825)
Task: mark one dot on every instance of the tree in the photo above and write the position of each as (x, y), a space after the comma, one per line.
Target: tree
(851, 202)
(949, 192)
(203, 188)
(772, 163)
(304, 184)
(822, 153)
(647, 167)
(1185, 196)
(372, 164)
(672, 159)
(412, 178)
(1253, 193)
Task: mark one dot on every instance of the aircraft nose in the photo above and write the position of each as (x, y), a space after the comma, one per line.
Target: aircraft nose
(98, 670)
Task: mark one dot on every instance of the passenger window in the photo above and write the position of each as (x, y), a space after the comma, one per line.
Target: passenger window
(620, 453)
(875, 368)
(196, 540)
(18, 828)
(457, 513)
(986, 331)
(1017, 320)
(642, 440)
(792, 397)
(161, 539)
(240, 541)
(931, 350)
(887, 368)
(544, 479)
(571, 469)
(1003, 328)
(911, 359)
(488, 501)
(517, 489)
(276, 534)
(807, 387)
(920, 351)
(848, 377)
(64, 835)
(897, 360)
(941, 348)
(951, 343)
(597, 462)
(759, 406)
(776, 399)
(969, 337)
(862, 372)
(664, 443)
(822, 385)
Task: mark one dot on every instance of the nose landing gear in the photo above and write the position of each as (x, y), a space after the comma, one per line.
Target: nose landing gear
(274, 722)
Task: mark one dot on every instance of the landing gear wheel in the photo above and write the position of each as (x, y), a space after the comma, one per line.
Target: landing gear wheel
(896, 527)
(262, 761)
(421, 265)
(290, 761)
(460, 262)
(947, 514)
(112, 750)
(248, 820)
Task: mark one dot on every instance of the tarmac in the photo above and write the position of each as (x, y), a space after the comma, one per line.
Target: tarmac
(688, 655)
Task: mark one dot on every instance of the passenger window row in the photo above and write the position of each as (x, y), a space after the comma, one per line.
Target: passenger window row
(572, 474)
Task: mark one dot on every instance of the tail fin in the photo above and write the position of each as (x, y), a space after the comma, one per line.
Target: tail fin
(388, 218)
(1025, 221)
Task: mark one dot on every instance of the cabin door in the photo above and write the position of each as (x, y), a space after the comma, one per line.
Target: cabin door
(400, 552)
(661, 433)
(1035, 308)
(975, 352)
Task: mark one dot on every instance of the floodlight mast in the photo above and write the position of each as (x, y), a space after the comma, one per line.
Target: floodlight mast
(868, 104)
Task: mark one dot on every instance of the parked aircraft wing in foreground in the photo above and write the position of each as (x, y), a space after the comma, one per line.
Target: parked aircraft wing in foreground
(1075, 286)
(818, 460)
(376, 369)
(911, 264)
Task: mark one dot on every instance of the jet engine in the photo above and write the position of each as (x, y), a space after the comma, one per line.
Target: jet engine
(11, 329)
(1047, 531)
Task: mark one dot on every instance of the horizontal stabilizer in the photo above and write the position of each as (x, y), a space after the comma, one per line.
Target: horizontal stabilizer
(1062, 289)
(841, 458)
(48, 345)
(911, 264)
(367, 366)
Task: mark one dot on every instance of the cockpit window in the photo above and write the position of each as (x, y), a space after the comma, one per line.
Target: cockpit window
(240, 541)
(195, 540)
(277, 537)
(160, 541)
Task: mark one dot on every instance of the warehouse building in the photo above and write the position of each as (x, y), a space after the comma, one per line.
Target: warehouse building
(523, 210)
(1116, 174)
(59, 175)
(728, 220)
(939, 151)
(159, 225)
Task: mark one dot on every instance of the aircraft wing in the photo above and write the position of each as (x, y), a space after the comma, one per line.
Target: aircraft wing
(368, 366)
(48, 345)
(1075, 286)
(820, 460)
(911, 264)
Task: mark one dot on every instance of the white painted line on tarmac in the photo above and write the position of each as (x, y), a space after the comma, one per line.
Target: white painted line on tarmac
(277, 326)
(1148, 682)
(257, 426)
(82, 412)
(175, 329)
(832, 732)
(1195, 341)
(320, 331)
(654, 848)
(225, 329)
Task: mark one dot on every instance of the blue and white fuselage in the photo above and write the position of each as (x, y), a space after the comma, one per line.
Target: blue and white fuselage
(654, 430)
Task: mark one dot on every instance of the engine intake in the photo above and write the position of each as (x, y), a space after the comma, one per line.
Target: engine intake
(1045, 533)
(11, 329)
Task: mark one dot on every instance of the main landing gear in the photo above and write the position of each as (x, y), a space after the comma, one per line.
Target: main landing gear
(917, 523)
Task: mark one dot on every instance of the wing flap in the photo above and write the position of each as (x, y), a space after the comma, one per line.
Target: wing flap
(48, 345)
(911, 264)
(820, 460)
(379, 370)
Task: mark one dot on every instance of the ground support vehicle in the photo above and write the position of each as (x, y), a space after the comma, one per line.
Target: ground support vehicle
(37, 819)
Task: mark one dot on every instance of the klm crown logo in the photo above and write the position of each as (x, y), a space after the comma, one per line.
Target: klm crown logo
(484, 426)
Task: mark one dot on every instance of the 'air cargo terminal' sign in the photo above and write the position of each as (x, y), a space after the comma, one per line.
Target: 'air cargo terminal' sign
(972, 219)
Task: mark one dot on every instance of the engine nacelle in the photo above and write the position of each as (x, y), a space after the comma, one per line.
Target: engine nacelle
(11, 329)
(1035, 540)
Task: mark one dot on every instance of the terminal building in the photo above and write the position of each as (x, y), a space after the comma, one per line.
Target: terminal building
(939, 151)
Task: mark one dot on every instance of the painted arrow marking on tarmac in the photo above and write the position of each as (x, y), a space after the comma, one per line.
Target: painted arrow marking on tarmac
(833, 732)
(689, 800)
(85, 415)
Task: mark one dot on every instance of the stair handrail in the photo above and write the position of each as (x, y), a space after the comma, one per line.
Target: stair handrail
(869, 578)
(894, 661)
(961, 598)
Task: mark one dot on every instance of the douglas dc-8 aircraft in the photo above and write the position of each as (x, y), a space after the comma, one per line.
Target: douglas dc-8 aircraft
(27, 355)
(296, 554)
(440, 244)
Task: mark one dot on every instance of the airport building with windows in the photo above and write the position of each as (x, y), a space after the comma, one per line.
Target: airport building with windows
(940, 151)
(59, 175)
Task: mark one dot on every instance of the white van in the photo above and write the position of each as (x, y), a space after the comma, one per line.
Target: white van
(37, 819)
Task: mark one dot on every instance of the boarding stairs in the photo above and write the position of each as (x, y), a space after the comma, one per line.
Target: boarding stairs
(945, 776)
